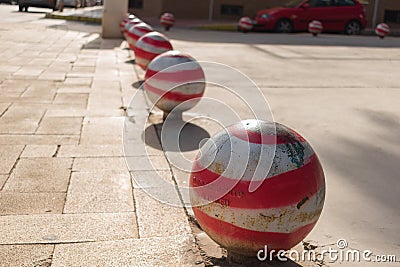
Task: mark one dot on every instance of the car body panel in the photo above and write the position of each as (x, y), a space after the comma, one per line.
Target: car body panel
(333, 18)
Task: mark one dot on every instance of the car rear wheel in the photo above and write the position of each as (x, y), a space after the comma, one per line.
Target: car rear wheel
(353, 28)
(284, 26)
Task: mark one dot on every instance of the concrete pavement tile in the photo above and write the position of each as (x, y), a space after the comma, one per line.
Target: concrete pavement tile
(38, 95)
(60, 125)
(25, 111)
(22, 139)
(39, 151)
(80, 151)
(78, 81)
(52, 76)
(8, 156)
(176, 250)
(18, 126)
(65, 111)
(74, 89)
(74, 99)
(66, 228)
(26, 255)
(150, 179)
(3, 107)
(97, 130)
(104, 191)
(40, 175)
(171, 220)
(29, 71)
(147, 163)
(99, 164)
(31, 203)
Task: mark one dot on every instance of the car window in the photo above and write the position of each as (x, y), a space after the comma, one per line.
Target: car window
(344, 2)
(320, 3)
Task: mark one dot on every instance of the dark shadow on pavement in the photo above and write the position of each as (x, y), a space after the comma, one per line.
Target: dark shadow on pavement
(177, 136)
(137, 84)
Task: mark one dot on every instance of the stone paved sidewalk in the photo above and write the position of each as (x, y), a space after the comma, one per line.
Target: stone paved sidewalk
(66, 194)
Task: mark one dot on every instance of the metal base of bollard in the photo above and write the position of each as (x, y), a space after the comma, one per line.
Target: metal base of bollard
(175, 115)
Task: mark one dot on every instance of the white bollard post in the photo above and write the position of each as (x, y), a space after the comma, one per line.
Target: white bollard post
(113, 13)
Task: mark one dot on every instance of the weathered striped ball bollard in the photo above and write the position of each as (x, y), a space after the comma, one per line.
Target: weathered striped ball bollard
(167, 20)
(174, 82)
(129, 25)
(315, 27)
(280, 210)
(128, 17)
(245, 24)
(150, 46)
(135, 32)
(382, 29)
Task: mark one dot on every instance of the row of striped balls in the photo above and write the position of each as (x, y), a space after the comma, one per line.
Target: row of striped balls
(154, 53)
(314, 27)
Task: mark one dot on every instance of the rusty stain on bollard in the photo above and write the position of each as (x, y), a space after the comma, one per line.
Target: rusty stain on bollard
(150, 46)
(281, 211)
(174, 82)
(167, 20)
(245, 24)
(315, 27)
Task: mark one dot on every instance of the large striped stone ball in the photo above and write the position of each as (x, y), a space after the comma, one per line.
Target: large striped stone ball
(174, 80)
(382, 29)
(288, 199)
(137, 31)
(126, 19)
(315, 27)
(245, 24)
(167, 20)
(150, 46)
(129, 25)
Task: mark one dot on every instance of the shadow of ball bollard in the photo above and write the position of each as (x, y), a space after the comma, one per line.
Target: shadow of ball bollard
(150, 46)
(382, 30)
(315, 27)
(128, 26)
(254, 184)
(174, 81)
(167, 20)
(137, 31)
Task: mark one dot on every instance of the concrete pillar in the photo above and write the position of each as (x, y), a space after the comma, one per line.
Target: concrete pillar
(113, 12)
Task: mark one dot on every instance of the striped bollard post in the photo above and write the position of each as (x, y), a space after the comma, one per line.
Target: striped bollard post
(245, 24)
(137, 31)
(382, 29)
(285, 203)
(174, 81)
(150, 46)
(315, 27)
(167, 20)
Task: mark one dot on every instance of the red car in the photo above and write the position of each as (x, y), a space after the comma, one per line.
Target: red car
(335, 15)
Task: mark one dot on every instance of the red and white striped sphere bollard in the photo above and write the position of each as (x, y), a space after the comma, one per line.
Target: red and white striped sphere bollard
(281, 211)
(137, 31)
(382, 29)
(150, 46)
(245, 24)
(167, 20)
(315, 27)
(174, 82)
